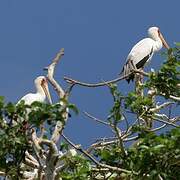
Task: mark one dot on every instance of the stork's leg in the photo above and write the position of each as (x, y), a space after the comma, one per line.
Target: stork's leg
(132, 65)
(141, 76)
(138, 84)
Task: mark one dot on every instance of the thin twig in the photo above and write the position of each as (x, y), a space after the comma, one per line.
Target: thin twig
(94, 160)
(172, 120)
(81, 150)
(127, 133)
(158, 108)
(127, 123)
(166, 122)
(102, 143)
(160, 177)
(175, 98)
(164, 119)
(158, 128)
(68, 90)
(120, 140)
(96, 119)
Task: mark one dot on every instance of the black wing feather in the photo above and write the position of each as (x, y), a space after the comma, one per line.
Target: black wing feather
(141, 63)
(127, 67)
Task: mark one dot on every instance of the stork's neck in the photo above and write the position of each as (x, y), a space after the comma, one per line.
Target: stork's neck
(157, 43)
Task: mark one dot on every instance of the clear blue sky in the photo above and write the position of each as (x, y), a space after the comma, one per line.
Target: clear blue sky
(97, 36)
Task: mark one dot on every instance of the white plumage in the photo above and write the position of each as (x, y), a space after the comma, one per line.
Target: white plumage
(143, 51)
(42, 91)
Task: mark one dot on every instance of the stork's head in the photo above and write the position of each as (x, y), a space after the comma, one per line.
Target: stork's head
(156, 35)
(41, 83)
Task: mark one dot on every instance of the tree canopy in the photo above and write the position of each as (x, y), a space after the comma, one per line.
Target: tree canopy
(33, 145)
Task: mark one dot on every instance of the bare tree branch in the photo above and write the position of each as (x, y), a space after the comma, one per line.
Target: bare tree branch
(31, 163)
(29, 156)
(166, 122)
(61, 93)
(50, 74)
(73, 81)
(97, 120)
(102, 143)
(35, 140)
(51, 158)
(2, 173)
(158, 108)
(114, 127)
(76, 82)
(175, 98)
(94, 160)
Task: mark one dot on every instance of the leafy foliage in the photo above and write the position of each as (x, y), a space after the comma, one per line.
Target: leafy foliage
(156, 155)
(12, 137)
(138, 104)
(16, 122)
(147, 156)
(166, 80)
(116, 112)
(77, 168)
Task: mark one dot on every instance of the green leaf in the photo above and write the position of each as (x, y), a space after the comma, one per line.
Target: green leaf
(74, 108)
(177, 43)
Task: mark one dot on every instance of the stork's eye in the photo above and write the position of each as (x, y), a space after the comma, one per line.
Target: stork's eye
(159, 32)
(43, 81)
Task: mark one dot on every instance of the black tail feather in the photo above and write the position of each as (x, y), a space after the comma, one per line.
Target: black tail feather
(127, 71)
(130, 78)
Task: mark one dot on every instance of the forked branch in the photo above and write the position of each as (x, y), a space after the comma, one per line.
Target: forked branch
(50, 74)
(61, 93)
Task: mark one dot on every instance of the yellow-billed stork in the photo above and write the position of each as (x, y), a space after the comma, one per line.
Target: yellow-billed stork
(42, 91)
(143, 51)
